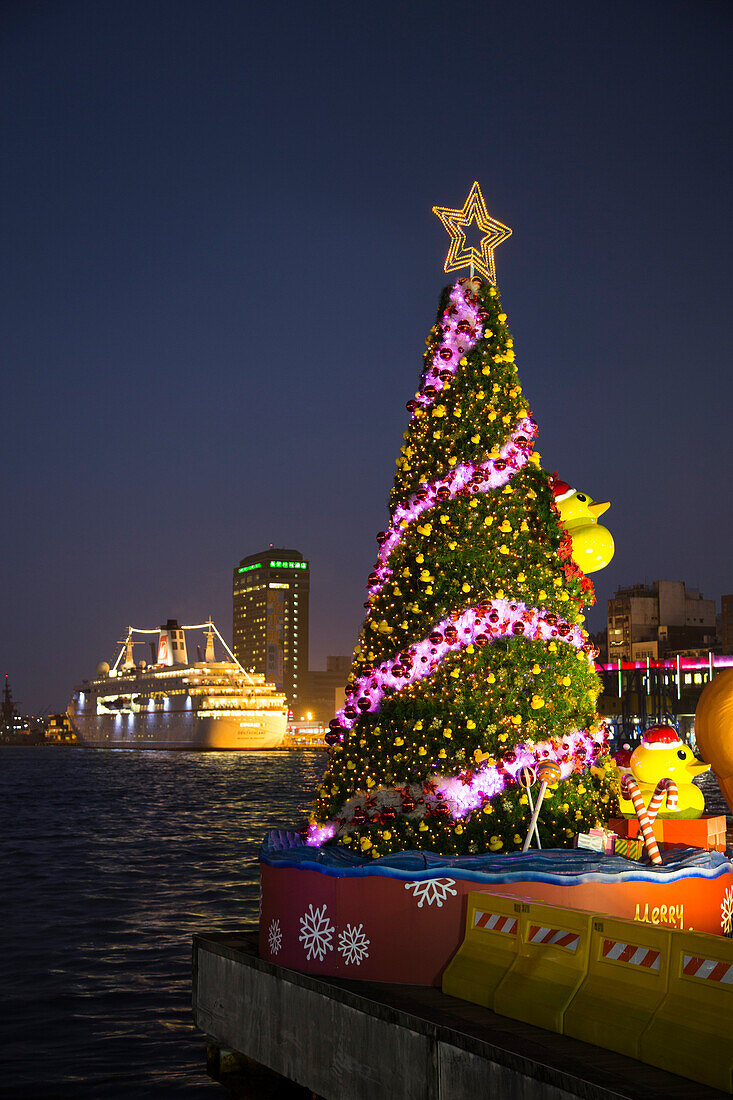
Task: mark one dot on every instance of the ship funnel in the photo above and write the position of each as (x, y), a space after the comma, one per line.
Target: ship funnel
(172, 644)
(210, 656)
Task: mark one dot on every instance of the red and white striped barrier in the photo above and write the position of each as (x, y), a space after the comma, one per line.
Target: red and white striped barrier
(631, 953)
(559, 937)
(495, 922)
(710, 970)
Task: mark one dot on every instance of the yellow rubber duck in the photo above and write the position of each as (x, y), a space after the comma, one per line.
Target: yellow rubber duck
(661, 755)
(592, 544)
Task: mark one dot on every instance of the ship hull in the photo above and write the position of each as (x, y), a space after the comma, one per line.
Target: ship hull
(179, 731)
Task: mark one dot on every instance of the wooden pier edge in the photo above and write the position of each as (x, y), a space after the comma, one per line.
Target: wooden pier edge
(350, 1040)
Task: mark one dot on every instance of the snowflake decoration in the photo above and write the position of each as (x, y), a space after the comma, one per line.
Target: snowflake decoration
(275, 937)
(432, 890)
(316, 933)
(353, 944)
(726, 912)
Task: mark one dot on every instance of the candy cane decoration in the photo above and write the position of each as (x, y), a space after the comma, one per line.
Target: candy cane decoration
(665, 787)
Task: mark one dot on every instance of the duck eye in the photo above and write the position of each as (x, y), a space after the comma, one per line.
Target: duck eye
(582, 496)
(682, 754)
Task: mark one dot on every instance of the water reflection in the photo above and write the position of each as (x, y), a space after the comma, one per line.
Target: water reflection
(112, 860)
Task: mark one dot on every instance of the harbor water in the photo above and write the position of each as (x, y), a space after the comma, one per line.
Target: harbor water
(111, 860)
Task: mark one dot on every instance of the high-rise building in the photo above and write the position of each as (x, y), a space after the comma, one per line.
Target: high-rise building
(659, 620)
(270, 621)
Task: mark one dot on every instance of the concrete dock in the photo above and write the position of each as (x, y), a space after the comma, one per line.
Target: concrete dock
(351, 1040)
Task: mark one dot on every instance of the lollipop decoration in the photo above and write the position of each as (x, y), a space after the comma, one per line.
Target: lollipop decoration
(528, 777)
(665, 788)
(547, 772)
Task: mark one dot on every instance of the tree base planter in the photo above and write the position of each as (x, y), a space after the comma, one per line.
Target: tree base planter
(401, 918)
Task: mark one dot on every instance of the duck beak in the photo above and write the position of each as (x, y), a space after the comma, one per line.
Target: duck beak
(697, 767)
(598, 509)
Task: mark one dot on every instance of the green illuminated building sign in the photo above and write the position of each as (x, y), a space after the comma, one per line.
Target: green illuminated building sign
(275, 565)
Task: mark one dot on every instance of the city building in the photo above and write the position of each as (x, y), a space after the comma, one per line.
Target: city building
(59, 730)
(326, 689)
(659, 620)
(270, 619)
(726, 624)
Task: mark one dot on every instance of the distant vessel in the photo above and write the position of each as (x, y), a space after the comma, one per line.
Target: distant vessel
(173, 704)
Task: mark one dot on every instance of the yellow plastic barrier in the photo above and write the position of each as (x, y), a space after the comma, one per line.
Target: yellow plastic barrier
(549, 968)
(692, 1031)
(628, 970)
(488, 950)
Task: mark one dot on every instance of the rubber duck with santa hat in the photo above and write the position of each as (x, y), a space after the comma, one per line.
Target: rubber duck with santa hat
(592, 544)
(661, 755)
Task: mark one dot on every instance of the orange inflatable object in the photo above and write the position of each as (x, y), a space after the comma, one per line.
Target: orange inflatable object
(714, 730)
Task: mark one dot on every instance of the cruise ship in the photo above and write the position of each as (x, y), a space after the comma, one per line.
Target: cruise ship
(173, 704)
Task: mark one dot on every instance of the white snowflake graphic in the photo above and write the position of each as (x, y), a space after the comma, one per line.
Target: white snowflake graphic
(275, 937)
(316, 933)
(353, 944)
(726, 912)
(432, 890)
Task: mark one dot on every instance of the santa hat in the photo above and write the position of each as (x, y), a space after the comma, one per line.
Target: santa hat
(559, 488)
(660, 737)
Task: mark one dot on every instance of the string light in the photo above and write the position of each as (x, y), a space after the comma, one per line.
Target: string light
(494, 619)
(477, 478)
(457, 221)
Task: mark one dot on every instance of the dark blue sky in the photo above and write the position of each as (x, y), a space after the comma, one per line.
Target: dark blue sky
(220, 264)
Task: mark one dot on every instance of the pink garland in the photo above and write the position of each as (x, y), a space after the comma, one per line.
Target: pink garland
(463, 310)
(498, 618)
(477, 478)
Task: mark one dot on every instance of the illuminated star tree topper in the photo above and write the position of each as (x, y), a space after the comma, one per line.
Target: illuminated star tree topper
(457, 221)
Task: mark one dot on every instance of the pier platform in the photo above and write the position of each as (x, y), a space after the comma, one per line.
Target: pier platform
(341, 1039)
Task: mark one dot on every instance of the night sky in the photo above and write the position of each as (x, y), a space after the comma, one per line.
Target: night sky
(220, 265)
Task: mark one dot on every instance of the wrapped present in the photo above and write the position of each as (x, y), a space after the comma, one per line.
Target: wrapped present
(629, 847)
(597, 840)
(707, 831)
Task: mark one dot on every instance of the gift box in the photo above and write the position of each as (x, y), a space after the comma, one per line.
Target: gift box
(706, 832)
(629, 847)
(596, 840)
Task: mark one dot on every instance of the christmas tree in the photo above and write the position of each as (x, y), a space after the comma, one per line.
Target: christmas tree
(472, 664)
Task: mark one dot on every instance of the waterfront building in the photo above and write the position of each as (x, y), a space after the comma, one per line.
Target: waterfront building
(270, 593)
(59, 730)
(659, 620)
(726, 624)
(326, 689)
